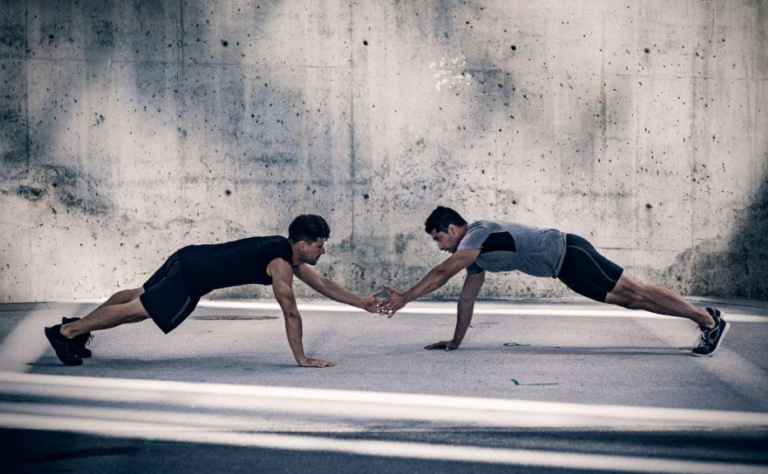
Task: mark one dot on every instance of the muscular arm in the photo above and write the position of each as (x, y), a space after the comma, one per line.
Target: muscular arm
(436, 278)
(440, 275)
(282, 280)
(469, 292)
(472, 286)
(327, 287)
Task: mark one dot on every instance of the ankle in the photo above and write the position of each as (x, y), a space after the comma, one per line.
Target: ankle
(707, 320)
(67, 332)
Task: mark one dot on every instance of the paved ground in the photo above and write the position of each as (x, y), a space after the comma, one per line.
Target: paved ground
(536, 387)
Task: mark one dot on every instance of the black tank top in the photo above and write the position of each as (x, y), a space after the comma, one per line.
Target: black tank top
(209, 267)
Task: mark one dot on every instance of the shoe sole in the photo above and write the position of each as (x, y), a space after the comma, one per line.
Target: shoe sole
(719, 343)
(50, 341)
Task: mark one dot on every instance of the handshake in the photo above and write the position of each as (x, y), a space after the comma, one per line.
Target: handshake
(385, 306)
(395, 302)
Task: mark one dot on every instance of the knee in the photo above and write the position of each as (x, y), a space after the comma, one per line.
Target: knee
(134, 318)
(134, 293)
(632, 297)
(635, 302)
(134, 311)
(637, 298)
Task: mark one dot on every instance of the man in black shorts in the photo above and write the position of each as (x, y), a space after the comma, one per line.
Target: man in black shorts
(504, 246)
(172, 293)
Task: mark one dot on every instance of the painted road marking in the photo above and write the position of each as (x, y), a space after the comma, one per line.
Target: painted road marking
(191, 433)
(422, 308)
(517, 311)
(539, 384)
(373, 405)
(27, 341)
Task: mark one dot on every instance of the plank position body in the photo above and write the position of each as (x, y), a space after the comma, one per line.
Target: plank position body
(171, 294)
(491, 246)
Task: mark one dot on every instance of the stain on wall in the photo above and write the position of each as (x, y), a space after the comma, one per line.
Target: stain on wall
(130, 129)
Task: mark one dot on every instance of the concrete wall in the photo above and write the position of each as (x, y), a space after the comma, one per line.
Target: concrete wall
(132, 128)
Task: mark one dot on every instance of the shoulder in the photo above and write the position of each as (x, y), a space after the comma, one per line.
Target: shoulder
(477, 225)
(277, 245)
(279, 268)
(476, 234)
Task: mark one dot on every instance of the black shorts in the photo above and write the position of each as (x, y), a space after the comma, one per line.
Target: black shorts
(165, 297)
(587, 272)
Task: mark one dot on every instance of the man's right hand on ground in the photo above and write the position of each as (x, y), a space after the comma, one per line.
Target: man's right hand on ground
(307, 362)
(447, 345)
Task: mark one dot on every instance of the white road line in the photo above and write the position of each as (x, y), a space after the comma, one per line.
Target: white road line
(27, 341)
(525, 311)
(426, 308)
(404, 450)
(375, 405)
(737, 372)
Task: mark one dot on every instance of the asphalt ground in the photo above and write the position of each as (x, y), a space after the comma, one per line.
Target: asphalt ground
(537, 386)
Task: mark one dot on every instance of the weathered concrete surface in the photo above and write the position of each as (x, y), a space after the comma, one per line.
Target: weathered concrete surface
(130, 129)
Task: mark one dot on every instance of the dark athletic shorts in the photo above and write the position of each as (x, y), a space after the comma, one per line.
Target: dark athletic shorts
(165, 297)
(587, 272)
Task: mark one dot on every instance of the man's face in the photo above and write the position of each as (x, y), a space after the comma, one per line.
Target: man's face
(310, 253)
(446, 241)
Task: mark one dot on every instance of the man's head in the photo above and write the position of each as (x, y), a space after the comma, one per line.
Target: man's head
(446, 227)
(308, 234)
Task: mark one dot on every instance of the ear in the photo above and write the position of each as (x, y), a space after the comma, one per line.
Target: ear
(301, 245)
(452, 229)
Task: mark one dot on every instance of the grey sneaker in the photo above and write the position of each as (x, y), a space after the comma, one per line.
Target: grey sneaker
(711, 338)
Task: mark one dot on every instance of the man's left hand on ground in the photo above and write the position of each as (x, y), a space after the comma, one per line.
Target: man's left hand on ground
(307, 362)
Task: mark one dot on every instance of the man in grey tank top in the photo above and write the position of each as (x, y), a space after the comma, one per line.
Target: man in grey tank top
(491, 246)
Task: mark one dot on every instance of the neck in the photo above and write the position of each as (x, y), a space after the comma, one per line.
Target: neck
(295, 261)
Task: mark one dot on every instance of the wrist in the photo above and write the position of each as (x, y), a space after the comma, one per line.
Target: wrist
(407, 297)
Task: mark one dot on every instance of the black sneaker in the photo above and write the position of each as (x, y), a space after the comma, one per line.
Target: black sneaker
(65, 348)
(81, 340)
(711, 338)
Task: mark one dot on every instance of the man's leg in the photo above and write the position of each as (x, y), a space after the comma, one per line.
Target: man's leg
(632, 294)
(122, 297)
(106, 317)
(588, 273)
(119, 298)
(69, 350)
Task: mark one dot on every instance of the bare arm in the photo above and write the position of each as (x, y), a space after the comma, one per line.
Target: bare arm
(333, 290)
(472, 286)
(282, 280)
(433, 280)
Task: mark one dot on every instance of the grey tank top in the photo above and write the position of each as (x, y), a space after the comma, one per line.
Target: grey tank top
(507, 246)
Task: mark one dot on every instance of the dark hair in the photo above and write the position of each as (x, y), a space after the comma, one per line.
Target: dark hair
(441, 218)
(308, 228)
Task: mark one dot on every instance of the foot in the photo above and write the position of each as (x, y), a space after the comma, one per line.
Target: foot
(81, 340)
(65, 348)
(711, 339)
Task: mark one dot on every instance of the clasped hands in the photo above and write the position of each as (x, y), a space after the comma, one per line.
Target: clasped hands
(385, 306)
(392, 304)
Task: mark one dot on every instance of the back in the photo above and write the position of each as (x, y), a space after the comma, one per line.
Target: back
(508, 246)
(209, 267)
